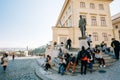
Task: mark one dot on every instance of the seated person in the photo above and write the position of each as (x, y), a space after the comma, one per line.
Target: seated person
(60, 54)
(66, 57)
(91, 60)
(105, 49)
(99, 57)
(72, 63)
(62, 66)
(47, 62)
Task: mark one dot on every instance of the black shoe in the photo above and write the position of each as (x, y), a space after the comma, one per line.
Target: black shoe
(58, 72)
(81, 73)
(85, 73)
(91, 71)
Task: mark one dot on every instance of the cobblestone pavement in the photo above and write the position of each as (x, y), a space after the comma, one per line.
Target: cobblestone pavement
(111, 73)
(20, 69)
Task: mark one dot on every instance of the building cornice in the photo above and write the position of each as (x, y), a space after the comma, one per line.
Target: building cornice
(116, 16)
(61, 12)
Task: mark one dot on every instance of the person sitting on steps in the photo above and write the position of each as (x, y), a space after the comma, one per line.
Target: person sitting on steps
(72, 63)
(47, 62)
(99, 57)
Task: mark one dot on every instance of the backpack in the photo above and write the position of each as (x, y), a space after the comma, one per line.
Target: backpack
(84, 56)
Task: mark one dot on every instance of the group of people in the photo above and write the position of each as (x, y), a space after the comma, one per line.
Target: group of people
(85, 57)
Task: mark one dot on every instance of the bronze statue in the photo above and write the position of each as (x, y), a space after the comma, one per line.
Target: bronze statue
(82, 26)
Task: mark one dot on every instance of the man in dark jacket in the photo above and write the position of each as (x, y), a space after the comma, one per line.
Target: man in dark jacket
(69, 43)
(116, 46)
(84, 56)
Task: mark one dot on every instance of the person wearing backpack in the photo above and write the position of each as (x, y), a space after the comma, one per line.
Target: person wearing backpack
(84, 57)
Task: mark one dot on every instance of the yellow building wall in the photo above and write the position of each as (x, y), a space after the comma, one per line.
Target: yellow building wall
(73, 32)
(116, 26)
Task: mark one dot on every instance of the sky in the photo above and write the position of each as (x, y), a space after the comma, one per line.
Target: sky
(29, 22)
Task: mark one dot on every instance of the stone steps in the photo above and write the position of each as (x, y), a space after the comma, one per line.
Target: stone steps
(108, 60)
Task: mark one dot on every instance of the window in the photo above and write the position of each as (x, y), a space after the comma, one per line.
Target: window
(105, 36)
(66, 25)
(93, 21)
(60, 23)
(69, 9)
(92, 5)
(63, 18)
(82, 4)
(62, 39)
(70, 22)
(66, 13)
(103, 21)
(95, 36)
(101, 7)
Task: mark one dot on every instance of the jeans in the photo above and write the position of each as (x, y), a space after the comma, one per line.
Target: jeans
(61, 69)
(90, 65)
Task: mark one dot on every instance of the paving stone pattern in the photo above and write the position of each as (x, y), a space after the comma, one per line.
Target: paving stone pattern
(20, 69)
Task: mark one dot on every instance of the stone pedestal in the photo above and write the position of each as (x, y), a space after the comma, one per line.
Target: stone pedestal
(83, 42)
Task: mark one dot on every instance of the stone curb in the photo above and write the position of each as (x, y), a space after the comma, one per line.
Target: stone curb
(41, 73)
(41, 76)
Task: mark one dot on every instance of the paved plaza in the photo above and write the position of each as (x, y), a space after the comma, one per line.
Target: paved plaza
(30, 69)
(20, 69)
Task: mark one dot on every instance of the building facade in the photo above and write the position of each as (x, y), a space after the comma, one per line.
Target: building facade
(116, 26)
(98, 18)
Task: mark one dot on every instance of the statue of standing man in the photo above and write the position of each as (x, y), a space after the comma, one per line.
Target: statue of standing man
(82, 26)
